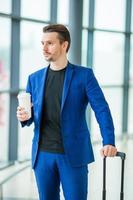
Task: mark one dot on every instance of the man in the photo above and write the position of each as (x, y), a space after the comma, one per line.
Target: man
(61, 149)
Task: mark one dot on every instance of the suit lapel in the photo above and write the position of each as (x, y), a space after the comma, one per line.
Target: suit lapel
(41, 87)
(67, 81)
(41, 90)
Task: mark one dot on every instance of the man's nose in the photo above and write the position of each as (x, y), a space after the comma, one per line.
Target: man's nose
(45, 47)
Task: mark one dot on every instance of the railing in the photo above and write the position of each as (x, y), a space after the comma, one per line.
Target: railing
(9, 178)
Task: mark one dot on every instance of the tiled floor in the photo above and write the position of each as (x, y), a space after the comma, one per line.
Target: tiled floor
(23, 187)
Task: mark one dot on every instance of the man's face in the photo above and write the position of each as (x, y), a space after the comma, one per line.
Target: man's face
(51, 46)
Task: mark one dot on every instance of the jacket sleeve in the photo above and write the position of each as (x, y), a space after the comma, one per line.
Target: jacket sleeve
(101, 109)
(28, 90)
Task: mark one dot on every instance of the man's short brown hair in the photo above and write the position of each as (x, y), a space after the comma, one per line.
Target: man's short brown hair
(63, 33)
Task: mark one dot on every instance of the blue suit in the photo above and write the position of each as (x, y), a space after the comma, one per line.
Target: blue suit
(80, 88)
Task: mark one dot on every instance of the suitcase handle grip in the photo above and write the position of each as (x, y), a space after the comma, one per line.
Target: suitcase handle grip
(121, 154)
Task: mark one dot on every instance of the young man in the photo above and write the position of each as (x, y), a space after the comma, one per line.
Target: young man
(60, 94)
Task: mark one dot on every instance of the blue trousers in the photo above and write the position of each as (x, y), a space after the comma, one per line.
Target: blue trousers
(52, 169)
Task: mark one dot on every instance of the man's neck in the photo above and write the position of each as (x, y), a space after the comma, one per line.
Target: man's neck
(58, 65)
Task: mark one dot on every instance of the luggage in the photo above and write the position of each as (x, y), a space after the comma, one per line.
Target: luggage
(123, 157)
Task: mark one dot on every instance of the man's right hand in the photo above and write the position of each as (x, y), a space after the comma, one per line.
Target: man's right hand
(22, 115)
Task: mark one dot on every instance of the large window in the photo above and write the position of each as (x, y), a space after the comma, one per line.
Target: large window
(4, 126)
(84, 47)
(114, 99)
(4, 85)
(63, 11)
(5, 6)
(31, 60)
(108, 57)
(130, 116)
(132, 18)
(4, 53)
(108, 68)
(107, 53)
(110, 14)
(36, 9)
(131, 63)
(31, 55)
(24, 142)
(130, 108)
(85, 13)
(102, 47)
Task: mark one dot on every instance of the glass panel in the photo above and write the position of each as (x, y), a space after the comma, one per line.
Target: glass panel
(108, 57)
(63, 17)
(84, 47)
(130, 114)
(132, 18)
(5, 6)
(31, 59)
(4, 53)
(110, 14)
(85, 13)
(114, 99)
(131, 62)
(25, 142)
(4, 126)
(36, 9)
(31, 56)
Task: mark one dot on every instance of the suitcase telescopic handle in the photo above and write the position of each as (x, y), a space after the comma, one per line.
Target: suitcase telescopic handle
(123, 157)
(121, 154)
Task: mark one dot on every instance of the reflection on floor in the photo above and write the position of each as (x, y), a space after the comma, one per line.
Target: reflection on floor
(23, 187)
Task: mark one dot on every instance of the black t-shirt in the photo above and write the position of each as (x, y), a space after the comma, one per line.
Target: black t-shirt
(51, 137)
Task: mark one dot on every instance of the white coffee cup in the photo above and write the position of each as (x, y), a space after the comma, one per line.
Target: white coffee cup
(24, 101)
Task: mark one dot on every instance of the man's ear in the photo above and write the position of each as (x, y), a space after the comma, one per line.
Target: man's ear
(65, 45)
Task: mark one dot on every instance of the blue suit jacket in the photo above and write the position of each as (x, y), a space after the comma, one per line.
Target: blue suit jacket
(80, 88)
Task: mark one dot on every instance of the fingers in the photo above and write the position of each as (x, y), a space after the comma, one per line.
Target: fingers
(109, 151)
(102, 152)
(22, 115)
(20, 108)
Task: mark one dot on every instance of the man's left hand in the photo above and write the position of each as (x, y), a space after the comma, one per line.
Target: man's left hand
(109, 151)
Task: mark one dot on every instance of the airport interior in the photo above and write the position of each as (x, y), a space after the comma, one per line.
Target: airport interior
(102, 39)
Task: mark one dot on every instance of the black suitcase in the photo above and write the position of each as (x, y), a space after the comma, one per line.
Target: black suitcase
(123, 157)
